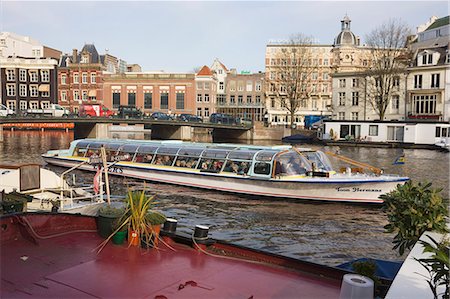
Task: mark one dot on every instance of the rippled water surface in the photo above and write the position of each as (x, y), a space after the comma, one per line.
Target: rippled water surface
(327, 233)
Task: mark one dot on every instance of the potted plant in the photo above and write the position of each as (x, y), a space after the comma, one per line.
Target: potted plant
(155, 219)
(14, 202)
(120, 233)
(108, 215)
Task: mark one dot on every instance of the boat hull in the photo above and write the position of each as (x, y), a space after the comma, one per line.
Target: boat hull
(341, 189)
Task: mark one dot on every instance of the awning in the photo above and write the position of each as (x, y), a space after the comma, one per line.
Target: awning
(44, 88)
(93, 93)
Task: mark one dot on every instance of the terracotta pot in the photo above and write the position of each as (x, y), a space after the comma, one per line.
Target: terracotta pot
(133, 238)
(156, 229)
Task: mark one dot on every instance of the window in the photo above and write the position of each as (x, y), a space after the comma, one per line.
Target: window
(232, 85)
(45, 105)
(378, 82)
(418, 81)
(395, 102)
(132, 99)
(63, 79)
(84, 96)
(447, 58)
(355, 98)
(34, 105)
(258, 86)
(64, 96)
(342, 99)
(435, 78)
(84, 77)
(84, 59)
(396, 81)
(325, 88)
(207, 112)
(34, 91)
(262, 168)
(240, 99)
(341, 115)
(342, 83)
(206, 97)
(355, 82)
(221, 86)
(438, 132)
(180, 100)
(22, 75)
(207, 85)
(10, 90)
(220, 72)
(314, 76)
(45, 76)
(373, 130)
(45, 94)
(199, 85)
(249, 86)
(427, 58)
(199, 97)
(11, 105)
(116, 99)
(76, 78)
(23, 90)
(354, 115)
(314, 88)
(314, 104)
(33, 76)
(148, 100)
(424, 104)
(272, 103)
(10, 75)
(325, 76)
(395, 133)
(76, 95)
(93, 77)
(325, 61)
(258, 99)
(240, 86)
(164, 100)
(232, 100)
(199, 112)
(221, 99)
(23, 105)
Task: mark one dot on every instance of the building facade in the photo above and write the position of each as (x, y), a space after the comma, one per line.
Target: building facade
(151, 92)
(80, 77)
(14, 45)
(28, 83)
(429, 74)
(206, 92)
(244, 96)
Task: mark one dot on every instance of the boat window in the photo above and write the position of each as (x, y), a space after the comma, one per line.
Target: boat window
(242, 155)
(79, 152)
(93, 153)
(147, 149)
(239, 167)
(168, 150)
(113, 146)
(83, 144)
(143, 158)
(191, 152)
(95, 145)
(262, 168)
(126, 153)
(210, 165)
(188, 162)
(215, 153)
(129, 148)
(291, 163)
(265, 156)
(165, 160)
(319, 161)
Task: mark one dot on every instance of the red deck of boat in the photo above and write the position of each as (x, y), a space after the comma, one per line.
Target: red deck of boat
(67, 266)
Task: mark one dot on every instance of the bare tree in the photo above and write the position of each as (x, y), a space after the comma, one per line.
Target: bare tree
(290, 74)
(389, 59)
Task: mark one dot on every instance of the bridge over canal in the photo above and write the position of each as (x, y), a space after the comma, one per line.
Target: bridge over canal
(100, 127)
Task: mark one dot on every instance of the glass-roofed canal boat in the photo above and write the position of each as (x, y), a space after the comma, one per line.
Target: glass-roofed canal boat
(273, 171)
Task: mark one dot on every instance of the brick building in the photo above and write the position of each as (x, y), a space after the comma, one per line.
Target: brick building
(206, 92)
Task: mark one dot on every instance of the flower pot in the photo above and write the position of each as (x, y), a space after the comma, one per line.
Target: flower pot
(10, 207)
(156, 230)
(133, 238)
(119, 237)
(105, 225)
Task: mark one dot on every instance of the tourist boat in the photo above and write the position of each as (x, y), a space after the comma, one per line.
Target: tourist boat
(46, 190)
(273, 171)
(53, 256)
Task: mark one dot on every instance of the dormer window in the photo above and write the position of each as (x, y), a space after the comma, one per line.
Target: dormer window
(84, 59)
(447, 58)
(427, 58)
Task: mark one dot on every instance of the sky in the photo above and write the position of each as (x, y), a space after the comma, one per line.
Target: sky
(181, 36)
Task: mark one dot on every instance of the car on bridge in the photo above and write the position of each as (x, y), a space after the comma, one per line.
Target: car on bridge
(129, 112)
(189, 118)
(5, 111)
(96, 110)
(221, 118)
(160, 116)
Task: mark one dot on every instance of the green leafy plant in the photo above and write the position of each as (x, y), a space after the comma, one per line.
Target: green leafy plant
(411, 210)
(437, 265)
(109, 210)
(366, 268)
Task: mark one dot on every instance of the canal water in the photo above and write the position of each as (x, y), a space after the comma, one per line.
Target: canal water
(326, 233)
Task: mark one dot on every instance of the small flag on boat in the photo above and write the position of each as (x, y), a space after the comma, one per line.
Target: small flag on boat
(97, 180)
(400, 160)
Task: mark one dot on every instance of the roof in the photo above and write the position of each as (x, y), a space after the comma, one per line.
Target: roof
(90, 48)
(205, 71)
(439, 23)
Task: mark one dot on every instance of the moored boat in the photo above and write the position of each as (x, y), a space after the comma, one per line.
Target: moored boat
(273, 171)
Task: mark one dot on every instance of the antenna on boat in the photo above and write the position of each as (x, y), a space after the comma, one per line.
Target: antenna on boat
(105, 167)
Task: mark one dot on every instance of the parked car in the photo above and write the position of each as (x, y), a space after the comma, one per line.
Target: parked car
(50, 110)
(160, 116)
(189, 118)
(129, 112)
(94, 110)
(5, 111)
(220, 118)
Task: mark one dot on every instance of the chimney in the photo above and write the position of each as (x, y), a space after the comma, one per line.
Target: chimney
(74, 55)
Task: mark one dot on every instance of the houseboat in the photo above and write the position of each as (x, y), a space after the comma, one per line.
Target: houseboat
(273, 171)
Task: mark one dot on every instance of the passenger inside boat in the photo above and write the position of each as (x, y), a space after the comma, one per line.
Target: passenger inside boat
(290, 164)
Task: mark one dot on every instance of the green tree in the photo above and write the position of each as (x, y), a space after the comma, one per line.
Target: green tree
(411, 210)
